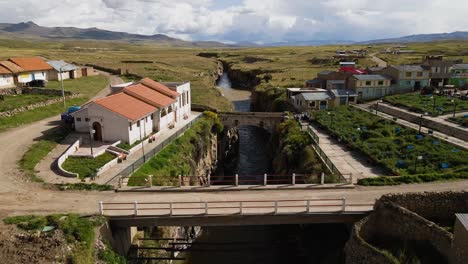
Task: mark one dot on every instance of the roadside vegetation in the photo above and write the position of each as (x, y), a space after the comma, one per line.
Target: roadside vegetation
(87, 167)
(79, 233)
(460, 120)
(178, 158)
(295, 154)
(402, 151)
(11, 102)
(433, 105)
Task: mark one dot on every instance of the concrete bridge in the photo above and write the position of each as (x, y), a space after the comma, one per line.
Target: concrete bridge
(266, 120)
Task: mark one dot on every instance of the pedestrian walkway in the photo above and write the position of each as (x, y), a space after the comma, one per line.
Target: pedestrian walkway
(452, 140)
(345, 160)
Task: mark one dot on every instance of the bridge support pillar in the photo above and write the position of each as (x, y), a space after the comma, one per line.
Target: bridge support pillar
(122, 238)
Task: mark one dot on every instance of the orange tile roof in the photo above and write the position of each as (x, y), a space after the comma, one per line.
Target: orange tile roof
(4, 70)
(159, 87)
(127, 106)
(153, 97)
(32, 64)
(11, 66)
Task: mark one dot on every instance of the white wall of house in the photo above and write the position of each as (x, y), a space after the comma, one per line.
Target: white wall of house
(26, 77)
(366, 93)
(183, 101)
(6, 81)
(169, 118)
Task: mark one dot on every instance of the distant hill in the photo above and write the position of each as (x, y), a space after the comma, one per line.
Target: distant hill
(458, 35)
(309, 43)
(31, 29)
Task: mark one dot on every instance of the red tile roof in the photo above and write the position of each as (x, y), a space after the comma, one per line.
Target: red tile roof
(150, 96)
(32, 64)
(127, 106)
(11, 66)
(159, 87)
(4, 70)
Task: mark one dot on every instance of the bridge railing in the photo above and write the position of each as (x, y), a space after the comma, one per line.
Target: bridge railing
(241, 207)
(236, 180)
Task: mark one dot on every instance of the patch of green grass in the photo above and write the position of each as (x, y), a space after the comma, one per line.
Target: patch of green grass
(84, 187)
(391, 146)
(424, 103)
(408, 179)
(86, 167)
(39, 150)
(37, 114)
(178, 157)
(87, 86)
(12, 102)
(460, 120)
(111, 257)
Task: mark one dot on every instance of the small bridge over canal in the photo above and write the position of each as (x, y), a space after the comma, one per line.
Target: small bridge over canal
(266, 120)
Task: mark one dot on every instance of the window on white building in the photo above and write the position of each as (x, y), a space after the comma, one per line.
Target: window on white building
(138, 123)
(163, 112)
(169, 110)
(78, 119)
(130, 125)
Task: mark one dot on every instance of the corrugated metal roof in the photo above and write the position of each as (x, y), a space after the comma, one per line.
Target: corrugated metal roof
(370, 77)
(342, 92)
(463, 218)
(57, 65)
(462, 66)
(321, 96)
(408, 67)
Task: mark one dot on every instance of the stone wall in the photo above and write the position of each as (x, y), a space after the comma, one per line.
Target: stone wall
(406, 219)
(357, 250)
(458, 132)
(438, 207)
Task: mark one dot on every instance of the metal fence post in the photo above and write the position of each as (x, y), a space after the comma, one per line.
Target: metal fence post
(240, 208)
(135, 208)
(322, 178)
(308, 206)
(236, 180)
(265, 180)
(120, 182)
(101, 208)
(276, 207)
(170, 209)
(350, 178)
(209, 180)
(150, 180)
(206, 208)
(180, 180)
(294, 179)
(343, 204)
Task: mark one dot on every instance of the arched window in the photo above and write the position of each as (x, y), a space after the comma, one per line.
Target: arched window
(169, 110)
(163, 112)
(183, 99)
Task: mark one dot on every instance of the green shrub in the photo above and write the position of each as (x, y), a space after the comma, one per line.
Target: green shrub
(84, 187)
(27, 222)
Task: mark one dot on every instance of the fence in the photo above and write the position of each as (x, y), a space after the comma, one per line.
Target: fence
(129, 170)
(236, 180)
(312, 134)
(242, 207)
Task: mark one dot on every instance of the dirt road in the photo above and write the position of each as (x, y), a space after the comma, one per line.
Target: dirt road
(377, 60)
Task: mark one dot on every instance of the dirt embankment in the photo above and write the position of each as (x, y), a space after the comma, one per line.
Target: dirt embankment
(18, 246)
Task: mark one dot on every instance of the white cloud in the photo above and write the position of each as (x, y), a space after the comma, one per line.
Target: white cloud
(248, 20)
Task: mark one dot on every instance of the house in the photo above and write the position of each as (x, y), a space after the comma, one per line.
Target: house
(348, 64)
(333, 79)
(137, 111)
(63, 71)
(375, 70)
(439, 70)
(371, 86)
(459, 75)
(343, 97)
(14, 69)
(34, 71)
(317, 99)
(7, 79)
(407, 78)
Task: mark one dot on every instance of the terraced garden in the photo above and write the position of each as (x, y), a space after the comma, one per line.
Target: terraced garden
(402, 151)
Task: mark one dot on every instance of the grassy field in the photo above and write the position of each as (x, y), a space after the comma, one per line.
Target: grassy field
(12, 102)
(460, 120)
(437, 105)
(392, 146)
(86, 167)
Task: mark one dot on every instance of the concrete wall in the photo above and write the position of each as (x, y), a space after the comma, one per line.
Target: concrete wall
(460, 243)
(461, 133)
(7, 81)
(72, 149)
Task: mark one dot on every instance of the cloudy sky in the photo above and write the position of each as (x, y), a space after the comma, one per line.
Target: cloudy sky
(259, 21)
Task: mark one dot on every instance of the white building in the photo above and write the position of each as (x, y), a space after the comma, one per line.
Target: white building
(62, 70)
(33, 69)
(137, 111)
(6, 78)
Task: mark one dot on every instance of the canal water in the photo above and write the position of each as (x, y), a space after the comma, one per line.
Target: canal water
(254, 157)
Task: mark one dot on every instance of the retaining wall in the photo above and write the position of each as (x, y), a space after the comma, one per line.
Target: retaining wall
(458, 132)
(72, 149)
